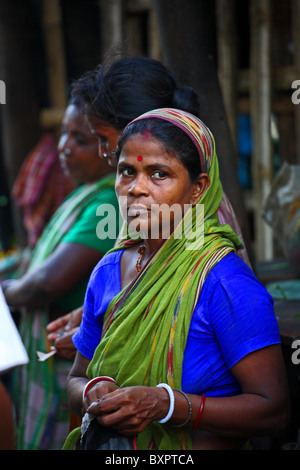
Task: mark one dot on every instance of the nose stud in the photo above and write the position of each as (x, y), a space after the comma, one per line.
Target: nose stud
(67, 152)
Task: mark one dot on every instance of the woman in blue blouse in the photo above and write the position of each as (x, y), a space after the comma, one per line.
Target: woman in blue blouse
(178, 345)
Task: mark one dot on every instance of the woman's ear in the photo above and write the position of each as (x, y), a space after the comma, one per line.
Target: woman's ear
(199, 188)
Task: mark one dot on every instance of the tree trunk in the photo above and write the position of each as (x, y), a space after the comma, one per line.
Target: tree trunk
(187, 32)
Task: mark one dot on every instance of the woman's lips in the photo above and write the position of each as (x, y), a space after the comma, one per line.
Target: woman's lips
(136, 210)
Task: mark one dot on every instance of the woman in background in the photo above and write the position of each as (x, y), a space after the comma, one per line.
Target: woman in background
(56, 280)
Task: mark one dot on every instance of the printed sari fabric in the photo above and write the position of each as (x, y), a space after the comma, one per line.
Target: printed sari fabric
(40, 387)
(146, 324)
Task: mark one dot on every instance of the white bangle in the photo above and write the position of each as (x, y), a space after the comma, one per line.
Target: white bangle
(172, 401)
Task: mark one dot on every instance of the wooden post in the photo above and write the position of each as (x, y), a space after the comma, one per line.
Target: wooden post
(111, 24)
(227, 60)
(55, 53)
(296, 38)
(260, 104)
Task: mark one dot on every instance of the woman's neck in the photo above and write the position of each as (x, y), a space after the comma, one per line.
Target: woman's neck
(152, 245)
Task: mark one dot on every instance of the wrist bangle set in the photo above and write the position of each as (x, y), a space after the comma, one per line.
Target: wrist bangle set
(172, 404)
(171, 398)
(95, 380)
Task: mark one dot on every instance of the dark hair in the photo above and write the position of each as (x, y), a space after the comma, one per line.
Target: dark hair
(175, 141)
(120, 91)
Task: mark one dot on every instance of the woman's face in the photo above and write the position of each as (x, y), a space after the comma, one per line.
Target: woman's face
(149, 181)
(78, 149)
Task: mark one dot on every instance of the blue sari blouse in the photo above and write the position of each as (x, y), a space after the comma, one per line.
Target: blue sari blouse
(233, 317)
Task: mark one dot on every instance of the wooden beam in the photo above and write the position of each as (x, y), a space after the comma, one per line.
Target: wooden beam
(279, 104)
(281, 78)
(51, 118)
(260, 99)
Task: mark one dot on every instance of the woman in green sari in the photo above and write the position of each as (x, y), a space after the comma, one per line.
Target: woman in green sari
(56, 280)
(181, 340)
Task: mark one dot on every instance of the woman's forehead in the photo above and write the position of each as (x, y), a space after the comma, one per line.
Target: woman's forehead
(148, 151)
(147, 144)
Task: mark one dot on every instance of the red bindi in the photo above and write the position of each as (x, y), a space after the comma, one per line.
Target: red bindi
(139, 158)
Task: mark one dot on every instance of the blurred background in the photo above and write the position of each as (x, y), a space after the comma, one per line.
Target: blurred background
(242, 58)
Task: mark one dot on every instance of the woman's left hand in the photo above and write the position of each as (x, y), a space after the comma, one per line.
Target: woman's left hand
(129, 410)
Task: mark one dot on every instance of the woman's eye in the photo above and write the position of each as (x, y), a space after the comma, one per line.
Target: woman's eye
(80, 140)
(126, 171)
(159, 174)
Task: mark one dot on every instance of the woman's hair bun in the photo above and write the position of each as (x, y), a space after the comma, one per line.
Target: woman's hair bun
(186, 98)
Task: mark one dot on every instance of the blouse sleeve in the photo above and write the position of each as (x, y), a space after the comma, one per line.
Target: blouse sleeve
(242, 317)
(87, 338)
(103, 286)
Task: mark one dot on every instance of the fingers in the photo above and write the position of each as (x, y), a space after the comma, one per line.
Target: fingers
(97, 392)
(64, 339)
(65, 347)
(118, 411)
(75, 319)
(123, 410)
(66, 323)
(59, 323)
(57, 326)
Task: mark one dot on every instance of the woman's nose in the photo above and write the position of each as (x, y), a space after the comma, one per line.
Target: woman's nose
(63, 143)
(139, 186)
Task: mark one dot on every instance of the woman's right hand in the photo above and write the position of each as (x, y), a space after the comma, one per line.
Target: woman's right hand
(95, 393)
(61, 331)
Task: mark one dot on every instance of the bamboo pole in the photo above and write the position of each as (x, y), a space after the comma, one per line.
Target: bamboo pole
(227, 60)
(52, 24)
(260, 105)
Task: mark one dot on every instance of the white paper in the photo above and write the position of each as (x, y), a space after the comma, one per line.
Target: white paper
(12, 350)
(44, 356)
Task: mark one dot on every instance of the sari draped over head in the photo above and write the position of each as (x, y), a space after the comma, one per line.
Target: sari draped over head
(146, 325)
(40, 387)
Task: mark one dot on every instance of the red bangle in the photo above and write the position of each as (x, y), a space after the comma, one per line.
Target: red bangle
(203, 398)
(95, 380)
